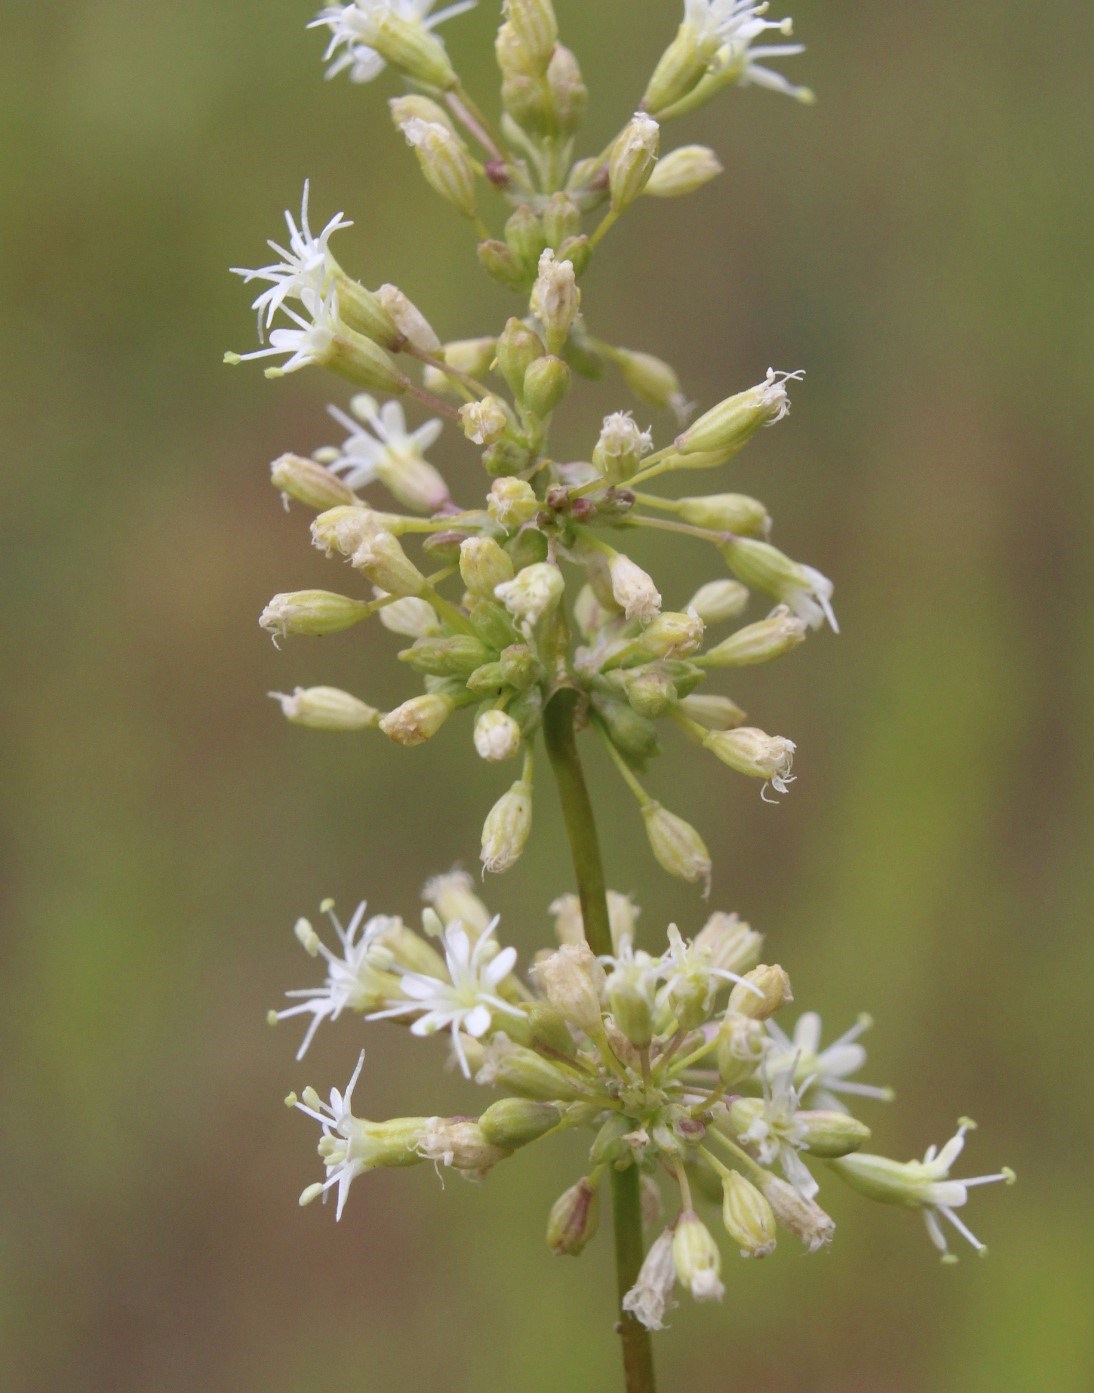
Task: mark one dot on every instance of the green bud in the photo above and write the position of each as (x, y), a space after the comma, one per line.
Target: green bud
(572, 979)
(483, 565)
(418, 719)
(677, 846)
(696, 1257)
(507, 827)
(492, 624)
(458, 655)
(326, 708)
(384, 562)
(779, 633)
(683, 171)
(486, 681)
(549, 1033)
(569, 95)
(527, 548)
(525, 237)
(405, 108)
(632, 735)
(545, 384)
(505, 458)
(630, 999)
(520, 667)
(650, 379)
(527, 710)
(715, 712)
(762, 992)
(748, 1217)
(609, 1147)
(561, 219)
(527, 1073)
(574, 1218)
(514, 1122)
(409, 46)
(733, 422)
(503, 266)
(310, 483)
(670, 635)
(534, 23)
(512, 503)
(314, 612)
(445, 163)
(742, 1043)
(726, 512)
(518, 347)
(719, 600)
(679, 68)
(632, 159)
(831, 1134)
(651, 693)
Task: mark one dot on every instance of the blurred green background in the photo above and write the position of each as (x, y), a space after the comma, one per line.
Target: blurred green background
(916, 242)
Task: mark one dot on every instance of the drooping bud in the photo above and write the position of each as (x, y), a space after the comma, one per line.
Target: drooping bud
(507, 828)
(326, 708)
(683, 171)
(747, 1215)
(733, 422)
(309, 483)
(497, 736)
(632, 159)
(719, 600)
(677, 846)
(314, 612)
(513, 1122)
(779, 633)
(573, 1219)
(484, 421)
(762, 992)
(696, 1257)
(572, 980)
(651, 1296)
(804, 1218)
(417, 720)
(555, 299)
(444, 162)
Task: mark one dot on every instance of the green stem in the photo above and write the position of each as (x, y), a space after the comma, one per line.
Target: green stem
(577, 813)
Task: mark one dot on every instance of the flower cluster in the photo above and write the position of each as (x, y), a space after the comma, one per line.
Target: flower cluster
(673, 1063)
(529, 589)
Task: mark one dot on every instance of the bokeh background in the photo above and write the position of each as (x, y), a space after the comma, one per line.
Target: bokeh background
(920, 243)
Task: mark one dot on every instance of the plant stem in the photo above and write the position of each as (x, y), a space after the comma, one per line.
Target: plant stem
(577, 812)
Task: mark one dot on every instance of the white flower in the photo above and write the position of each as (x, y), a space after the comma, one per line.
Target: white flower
(308, 343)
(775, 1132)
(651, 1296)
(305, 270)
(344, 1160)
(467, 1001)
(811, 598)
(386, 450)
(825, 1070)
(351, 978)
(733, 25)
(691, 980)
(354, 28)
(922, 1185)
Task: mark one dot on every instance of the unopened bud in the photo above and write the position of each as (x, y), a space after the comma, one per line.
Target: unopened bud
(527, 1073)
(536, 28)
(404, 108)
(545, 384)
(633, 735)
(410, 616)
(632, 159)
(310, 483)
(572, 980)
(671, 635)
(574, 1218)
(513, 1122)
(484, 421)
(747, 1215)
(387, 565)
(417, 720)
(829, 1133)
(561, 219)
(630, 992)
(518, 347)
(714, 712)
(484, 565)
(733, 422)
(804, 1218)
(569, 95)
(728, 943)
(507, 828)
(652, 693)
(762, 992)
(719, 600)
(472, 357)
(342, 529)
(409, 47)
(696, 1257)
(651, 380)
(502, 264)
(548, 1032)
(314, 612)
(520, 667)
(408, 319)
(750, 751)
(633, 589)
(683, 171)
(453, 898)
(618, 453)
(555, 299)
(533, 592)
(680, 67)
(742, 1043)
(726, 512)
(764, 567)
(456, 655)
(779, 633)
(445, 163)
(677, 846)
(497, 736)
(326, 708)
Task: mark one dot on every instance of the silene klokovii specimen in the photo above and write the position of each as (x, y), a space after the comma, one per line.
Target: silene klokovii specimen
(524, 609)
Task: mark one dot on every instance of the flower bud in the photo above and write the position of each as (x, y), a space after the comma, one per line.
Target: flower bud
(454, 900)
(417, 104)
(545, 384)
(676, 845)
(555, 299)
(417, 720)
(747, 1215)
(444, 162)
(484, 565)
(471, 357)
(343, 529)
(696, 1258)
(804, 1218)
(460, 1143)
(632, 159)
(631, 990)
(719, 600)
(651, 380)
(507, 828)
(513, 1122)
(726, 512)
(574, 1218)
(633, 589)
(618, 453)
(518, 347)
(714, 712)
(409, 616)
(572, 980)
(525, 1072)
(410, 48)
(484, 421)
(326, 708)
(548, 1032)
(764, 567)
(561, 219)
(779, 633)
(384, 562)
(568, 93)
(520, 668)
(533, 592)
(762, 992)
(314, 612)
(309, 483)
(730, 424)
(742, 1043)
(680, 67)
(408, 319)
(829, 1133)
(752, 752)
(502, 264)
(671, 635)
(497, 736)
(651, 693)
(631, 734)
(456, 655)
(534, 23)
(728, 943)
(525, 237)
(683, 171)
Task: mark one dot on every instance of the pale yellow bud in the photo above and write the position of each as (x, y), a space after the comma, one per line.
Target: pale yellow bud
(536, 28)
(445, 163)
(633, 589)
(719, 600)
(326, 708)
(384, 562)
(485, 421)
(410, 48)
(417, 104)
(309, 483)
(762, 992)
(729, 943)
(726, 512)
(409, 616)
(750, 751)
(714, 712)
(683, 171)
(572, 980)
(696, 1257)
(730, 424)
(677, 846)
(651, 380)
(555, 299)
(417, 720)
(484, 565)
(533, 592)
(507, 828)
(459, 1142)
(497, 736)
(779, 633)
(408, 319)
(453, 898)
(748, 1217)
(312, 612)
(671, 635)
(632, 159)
